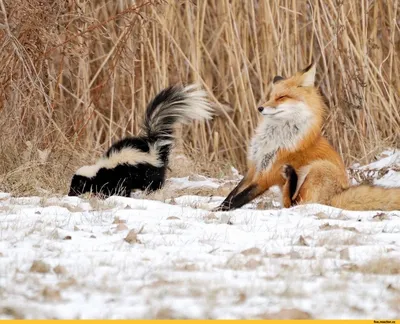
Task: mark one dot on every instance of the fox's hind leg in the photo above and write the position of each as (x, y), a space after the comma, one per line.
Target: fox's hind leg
(289, 188)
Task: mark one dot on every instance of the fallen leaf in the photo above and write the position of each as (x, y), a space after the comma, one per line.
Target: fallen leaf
(40, 267)
(131, 238)
(11, 311)
(67, 283)
(253, 250)
(288, 313)
(328, 227)
(60, 269)
(164, 313)
(252, 264)
(380, 217)
(119, 221)
(242, 298)
(321, 215)
(302, 241)
(51, 294)
(121, 227)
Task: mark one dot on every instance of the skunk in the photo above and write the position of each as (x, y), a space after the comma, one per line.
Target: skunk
(140, 162)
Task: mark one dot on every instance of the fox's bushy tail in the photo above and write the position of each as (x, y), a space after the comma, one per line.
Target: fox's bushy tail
(176, 104)
(365, 197)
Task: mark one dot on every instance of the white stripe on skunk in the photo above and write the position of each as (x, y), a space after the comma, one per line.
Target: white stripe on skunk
(127, 155)
(140, 162)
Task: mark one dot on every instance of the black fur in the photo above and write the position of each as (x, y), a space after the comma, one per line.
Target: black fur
(307, 68)
(238, 200)
(139, 143)
(158, 128)
(120, 180)
(292, 178)
(277, 79)
(225, 205)
(166, 96)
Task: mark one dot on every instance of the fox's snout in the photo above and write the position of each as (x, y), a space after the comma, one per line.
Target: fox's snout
(266, 109)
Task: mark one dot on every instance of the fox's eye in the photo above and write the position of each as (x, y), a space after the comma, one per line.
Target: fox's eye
(281, 97)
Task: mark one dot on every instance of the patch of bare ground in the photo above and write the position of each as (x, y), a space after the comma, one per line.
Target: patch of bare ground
(287, 313)
(340, 238)
(379, 266)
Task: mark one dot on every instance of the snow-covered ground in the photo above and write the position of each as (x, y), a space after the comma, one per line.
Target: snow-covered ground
(68, 257)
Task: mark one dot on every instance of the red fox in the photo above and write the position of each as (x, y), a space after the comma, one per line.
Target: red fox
(289, 150)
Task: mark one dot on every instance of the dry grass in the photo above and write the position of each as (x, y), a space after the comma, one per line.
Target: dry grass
(75, 76)
(380, 266)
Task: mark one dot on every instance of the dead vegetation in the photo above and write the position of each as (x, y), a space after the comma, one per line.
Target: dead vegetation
(40, 267)
(380, 266)
(76, 76)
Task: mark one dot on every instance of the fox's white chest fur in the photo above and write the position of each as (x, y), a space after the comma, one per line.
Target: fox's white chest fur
(273, 134)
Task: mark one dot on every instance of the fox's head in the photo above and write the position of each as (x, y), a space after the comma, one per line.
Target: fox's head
(294, 98)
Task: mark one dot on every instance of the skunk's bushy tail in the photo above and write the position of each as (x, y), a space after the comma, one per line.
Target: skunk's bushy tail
(176, 104)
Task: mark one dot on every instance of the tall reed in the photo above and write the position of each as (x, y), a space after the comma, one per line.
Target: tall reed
(76, 75)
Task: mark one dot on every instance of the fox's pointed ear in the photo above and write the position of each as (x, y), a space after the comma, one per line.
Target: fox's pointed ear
(277, 79)
(308, 75)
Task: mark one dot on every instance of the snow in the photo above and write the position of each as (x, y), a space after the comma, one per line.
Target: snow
(183, 183)
(385, 171)
(189, 262)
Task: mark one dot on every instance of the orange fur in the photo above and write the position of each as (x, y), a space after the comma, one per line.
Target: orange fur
(325, 184)
(313, 145)
(321, 171)
(318, 149)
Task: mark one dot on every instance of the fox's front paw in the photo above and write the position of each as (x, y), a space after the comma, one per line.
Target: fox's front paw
(287, 171)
